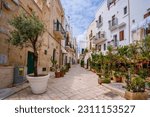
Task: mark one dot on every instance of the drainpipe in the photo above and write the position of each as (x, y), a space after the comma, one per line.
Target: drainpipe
(129, 21)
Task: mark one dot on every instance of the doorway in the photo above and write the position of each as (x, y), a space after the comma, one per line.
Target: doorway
(30, 63)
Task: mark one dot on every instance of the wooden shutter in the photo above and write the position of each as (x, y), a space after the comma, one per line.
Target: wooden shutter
(121, 35)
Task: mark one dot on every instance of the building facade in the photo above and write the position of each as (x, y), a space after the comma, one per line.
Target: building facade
(51, 13)
(119, 23)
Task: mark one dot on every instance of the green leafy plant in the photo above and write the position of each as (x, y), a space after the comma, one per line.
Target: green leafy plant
(136, 85)
(62, 68)
(27, 30)
(82, 63)
(143, 73)
(106, 80)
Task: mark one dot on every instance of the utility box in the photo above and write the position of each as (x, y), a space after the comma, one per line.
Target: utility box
(19, 75)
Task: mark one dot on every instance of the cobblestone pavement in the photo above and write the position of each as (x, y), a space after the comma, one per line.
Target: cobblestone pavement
(78, 84)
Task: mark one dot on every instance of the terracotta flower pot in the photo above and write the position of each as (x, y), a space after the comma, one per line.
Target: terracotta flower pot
(61, 74)
(57, 75)
(118, 79)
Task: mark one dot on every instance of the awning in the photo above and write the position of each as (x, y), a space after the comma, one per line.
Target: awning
(144, 23)
(63, 50)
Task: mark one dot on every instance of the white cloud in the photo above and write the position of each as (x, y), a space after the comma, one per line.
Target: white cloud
(81, 13)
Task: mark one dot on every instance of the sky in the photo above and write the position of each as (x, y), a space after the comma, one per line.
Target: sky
(81, 13)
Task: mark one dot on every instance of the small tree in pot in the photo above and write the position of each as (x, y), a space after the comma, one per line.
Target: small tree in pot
(26, 33)
(136, 89)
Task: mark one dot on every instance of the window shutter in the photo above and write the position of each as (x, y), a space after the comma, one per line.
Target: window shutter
(121, 35)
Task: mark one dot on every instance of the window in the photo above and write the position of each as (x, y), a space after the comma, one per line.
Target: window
(44, 69)
(45, 52)
(100, 19)
(113, 20)
(125, 10)
(121, 35)
(104, 47)
(99, 34)
(115, 41)
(99, 47)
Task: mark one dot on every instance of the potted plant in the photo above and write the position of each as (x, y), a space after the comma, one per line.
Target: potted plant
(57, 71)
(54, 62)
(26, 33)
(104, 78)
(136, 89)
(82, 63)
(66, 68)
(62, 71)
(118, 77)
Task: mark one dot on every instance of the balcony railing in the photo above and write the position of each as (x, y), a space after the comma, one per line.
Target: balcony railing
(59, 30)
(114, 43)
(91, 35)
(70, 46)
(113, 24)
(99, 38)
(99, 24)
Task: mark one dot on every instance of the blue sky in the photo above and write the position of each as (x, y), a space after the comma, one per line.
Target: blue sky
(81, 13)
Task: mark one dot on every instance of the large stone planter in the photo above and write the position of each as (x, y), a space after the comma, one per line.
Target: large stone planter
(38, 84)
(136, 96)
(6, 76)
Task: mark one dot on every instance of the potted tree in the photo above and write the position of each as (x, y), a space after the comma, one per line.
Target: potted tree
(136, 89)
(27, 30)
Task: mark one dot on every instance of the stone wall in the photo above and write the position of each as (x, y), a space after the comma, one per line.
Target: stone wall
(6, 76)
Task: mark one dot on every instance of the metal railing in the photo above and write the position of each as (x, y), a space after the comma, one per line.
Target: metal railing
(113, 22)
(99, 24)
(58, 27)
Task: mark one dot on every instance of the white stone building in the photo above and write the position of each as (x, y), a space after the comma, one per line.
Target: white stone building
(119, 23)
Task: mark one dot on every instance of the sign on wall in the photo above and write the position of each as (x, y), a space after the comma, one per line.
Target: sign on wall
(3, 59)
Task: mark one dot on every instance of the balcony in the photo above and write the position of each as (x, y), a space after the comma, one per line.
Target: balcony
(59, 31)
(114, 43)
(113, 24)
(99, 24)
(110, 3)
(99, 38)
(90, 36)
(69, 47)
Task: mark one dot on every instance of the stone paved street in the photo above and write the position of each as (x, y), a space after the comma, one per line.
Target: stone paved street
(78, 84)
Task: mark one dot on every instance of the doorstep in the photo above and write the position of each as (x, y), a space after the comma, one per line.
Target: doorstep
(6, 92)
(116, 87)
